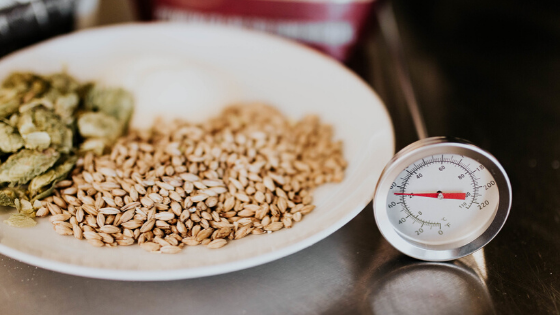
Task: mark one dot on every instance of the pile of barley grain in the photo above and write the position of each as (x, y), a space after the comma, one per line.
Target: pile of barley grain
(247, 171)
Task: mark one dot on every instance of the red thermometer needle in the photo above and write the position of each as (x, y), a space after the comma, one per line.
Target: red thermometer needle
(460, 196)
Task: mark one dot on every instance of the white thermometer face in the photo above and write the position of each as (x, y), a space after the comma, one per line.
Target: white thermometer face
(442, 199)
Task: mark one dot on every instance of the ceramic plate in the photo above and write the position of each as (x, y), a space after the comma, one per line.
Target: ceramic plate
(192, 71)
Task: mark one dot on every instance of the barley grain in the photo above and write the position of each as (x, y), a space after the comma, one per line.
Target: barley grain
(126, 242)
(63, 230)
(218, 243)
(274, 226)
(150, 246)
(109, 210)
(78, 233)
(96, 242)
(248, 171)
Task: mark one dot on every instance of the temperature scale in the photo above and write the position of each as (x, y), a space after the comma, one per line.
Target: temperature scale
(439, 198)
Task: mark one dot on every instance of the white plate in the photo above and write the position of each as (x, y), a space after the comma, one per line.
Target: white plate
(198, 70)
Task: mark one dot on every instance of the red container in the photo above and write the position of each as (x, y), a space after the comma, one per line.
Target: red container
(332, 26)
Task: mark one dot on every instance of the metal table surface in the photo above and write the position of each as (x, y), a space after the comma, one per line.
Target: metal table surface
(485, 71)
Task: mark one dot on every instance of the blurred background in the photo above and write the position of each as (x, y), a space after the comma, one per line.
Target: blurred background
(457, 52)
(487, 71)
(331, 26)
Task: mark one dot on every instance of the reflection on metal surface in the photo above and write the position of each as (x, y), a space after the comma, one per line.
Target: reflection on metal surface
(390, 31)
(478, 263)
(414, 287)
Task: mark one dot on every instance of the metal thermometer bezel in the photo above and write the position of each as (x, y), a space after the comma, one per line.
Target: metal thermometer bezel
(421, 149)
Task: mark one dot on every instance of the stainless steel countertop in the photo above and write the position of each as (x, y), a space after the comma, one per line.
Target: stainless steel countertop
(487, 72)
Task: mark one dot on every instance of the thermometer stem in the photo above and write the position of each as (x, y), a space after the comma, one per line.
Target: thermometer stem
(460, 196)
(390, 31)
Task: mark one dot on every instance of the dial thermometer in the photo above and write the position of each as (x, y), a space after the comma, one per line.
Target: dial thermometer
(441, 198)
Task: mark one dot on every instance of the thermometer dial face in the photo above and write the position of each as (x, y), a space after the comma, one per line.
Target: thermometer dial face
(442, 199)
